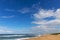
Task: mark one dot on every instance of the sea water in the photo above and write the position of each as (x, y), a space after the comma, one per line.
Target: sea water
(15, 36)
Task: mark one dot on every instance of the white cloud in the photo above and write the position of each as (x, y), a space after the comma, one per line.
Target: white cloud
(9, 30)
(42, 29)
(4, 30)
(57, 13)
(43, 14)
(45, 26)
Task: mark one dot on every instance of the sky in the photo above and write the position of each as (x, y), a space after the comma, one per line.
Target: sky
(29, 16)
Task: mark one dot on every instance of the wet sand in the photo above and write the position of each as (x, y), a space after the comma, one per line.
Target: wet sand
(47, 37)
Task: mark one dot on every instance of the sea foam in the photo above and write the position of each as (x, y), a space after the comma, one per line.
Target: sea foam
(22, 38)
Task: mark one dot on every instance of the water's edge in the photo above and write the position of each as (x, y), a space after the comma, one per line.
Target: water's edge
(15, 36)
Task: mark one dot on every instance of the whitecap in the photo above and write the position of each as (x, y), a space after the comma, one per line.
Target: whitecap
(22, 38)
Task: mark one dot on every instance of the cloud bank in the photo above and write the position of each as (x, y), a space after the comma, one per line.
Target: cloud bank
(4, 30)
(48, 21)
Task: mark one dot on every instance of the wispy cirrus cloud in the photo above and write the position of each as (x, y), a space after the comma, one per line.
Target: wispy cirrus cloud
(12, 16)
(36, 5)
(33, 8)
(24, 10)
(11, 10)
(44, 25)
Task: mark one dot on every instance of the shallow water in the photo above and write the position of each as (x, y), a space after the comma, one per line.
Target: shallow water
(15, 39)
(14, 36)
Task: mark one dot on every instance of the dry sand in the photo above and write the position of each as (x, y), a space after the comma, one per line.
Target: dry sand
(47, 37)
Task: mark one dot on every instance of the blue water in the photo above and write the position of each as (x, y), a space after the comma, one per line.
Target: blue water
(15, 36)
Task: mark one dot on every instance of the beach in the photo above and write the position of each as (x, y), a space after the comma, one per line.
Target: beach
(46, 37)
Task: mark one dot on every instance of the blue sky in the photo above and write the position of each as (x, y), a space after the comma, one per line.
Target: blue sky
(28, 16)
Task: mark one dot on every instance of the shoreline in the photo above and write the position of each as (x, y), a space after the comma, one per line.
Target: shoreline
(26, 38)
(46, 37)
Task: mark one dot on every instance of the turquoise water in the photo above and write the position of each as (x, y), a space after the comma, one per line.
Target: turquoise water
(14, 36)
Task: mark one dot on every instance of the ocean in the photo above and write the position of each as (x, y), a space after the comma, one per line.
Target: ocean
(15, 36)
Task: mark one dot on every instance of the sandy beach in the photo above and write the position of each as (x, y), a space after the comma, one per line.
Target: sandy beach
(47, 37)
